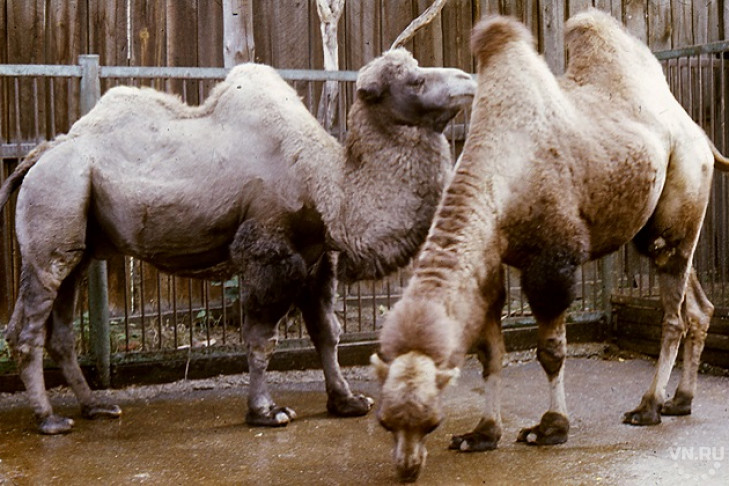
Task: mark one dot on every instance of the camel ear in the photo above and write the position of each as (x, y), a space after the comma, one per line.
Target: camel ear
(369, 92)
(444, 377)
(381, 368)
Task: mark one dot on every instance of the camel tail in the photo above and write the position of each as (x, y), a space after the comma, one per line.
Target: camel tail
(720, 162)
(16, 178)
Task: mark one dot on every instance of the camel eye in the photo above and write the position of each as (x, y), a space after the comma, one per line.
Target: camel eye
(416, 82)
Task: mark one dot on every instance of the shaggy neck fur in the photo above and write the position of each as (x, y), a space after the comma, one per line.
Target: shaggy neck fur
(392, 181)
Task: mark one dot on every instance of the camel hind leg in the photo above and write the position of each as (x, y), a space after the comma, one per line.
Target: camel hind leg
(670, 240)
(26, 335)
(60, 344)
(698, 311)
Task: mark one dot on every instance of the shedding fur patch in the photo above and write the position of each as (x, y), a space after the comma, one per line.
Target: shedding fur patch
(419, 325)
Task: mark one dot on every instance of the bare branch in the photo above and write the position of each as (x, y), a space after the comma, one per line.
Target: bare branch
(238, 42)
(329, 13)
(420, 21)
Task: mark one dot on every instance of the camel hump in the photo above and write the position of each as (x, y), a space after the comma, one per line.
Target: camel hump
(491, 35)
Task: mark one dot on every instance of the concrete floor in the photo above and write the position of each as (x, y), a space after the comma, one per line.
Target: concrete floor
(193, 433)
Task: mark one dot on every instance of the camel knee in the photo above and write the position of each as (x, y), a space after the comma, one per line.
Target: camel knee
(673, 328)
(551, 353)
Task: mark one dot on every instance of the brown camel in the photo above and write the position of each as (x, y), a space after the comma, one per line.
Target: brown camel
(555, 172)
(247, 183)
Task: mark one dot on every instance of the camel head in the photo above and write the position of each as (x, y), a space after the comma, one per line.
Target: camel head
(410, 406)
(396, 88)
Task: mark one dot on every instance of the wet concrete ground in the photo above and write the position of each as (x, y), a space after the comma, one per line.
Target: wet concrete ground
(193, 433)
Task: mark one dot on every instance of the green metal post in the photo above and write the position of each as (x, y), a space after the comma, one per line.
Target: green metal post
(99, 332)
(608, 265)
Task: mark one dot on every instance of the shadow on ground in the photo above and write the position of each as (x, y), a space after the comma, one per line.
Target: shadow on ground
(193, 433)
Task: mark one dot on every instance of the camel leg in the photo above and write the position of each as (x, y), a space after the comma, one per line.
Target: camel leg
(26, 334)
(261, 337)
(551, 352)
(316, 304)
(673, 288)
(697, 316)
(490, 351)
(60, 344)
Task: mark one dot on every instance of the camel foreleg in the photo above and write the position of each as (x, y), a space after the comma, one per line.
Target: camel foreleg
(490, 351)
(316, 304)
(261, 337)
(554, 426)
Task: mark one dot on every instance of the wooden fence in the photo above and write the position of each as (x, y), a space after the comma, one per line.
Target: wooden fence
(286, 34)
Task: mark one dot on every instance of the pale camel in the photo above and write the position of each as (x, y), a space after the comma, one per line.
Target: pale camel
(555, 172)
(247, 183)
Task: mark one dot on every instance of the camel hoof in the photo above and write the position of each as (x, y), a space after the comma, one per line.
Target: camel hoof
(552, 429)
(349, 406)
(273, 417)
(680, 404)
(473, 442)
(54, 425)
(100, 410)
(485, 437)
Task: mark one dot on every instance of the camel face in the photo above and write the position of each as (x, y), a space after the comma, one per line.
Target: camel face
(400, 90)
(410, 406)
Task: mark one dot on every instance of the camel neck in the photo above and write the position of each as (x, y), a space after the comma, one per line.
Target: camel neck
(392, 183)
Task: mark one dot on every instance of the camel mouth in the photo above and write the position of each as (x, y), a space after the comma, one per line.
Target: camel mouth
(462, 99)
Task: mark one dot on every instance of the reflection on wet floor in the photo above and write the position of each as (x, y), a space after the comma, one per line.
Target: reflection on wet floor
(193, 433)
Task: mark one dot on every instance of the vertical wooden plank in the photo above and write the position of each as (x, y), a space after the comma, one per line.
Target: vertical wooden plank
(634, 16)
(428, 41)
(316, 47)
(487, 7)
(149, 40)
(25, 45)
(614, 7)
(182, 36)
(659, 25)
(395, 15)
(210, 34)
(551, 38)
(65, 40)
(107, 32)
(705, 21)
(577, 6)
(362, 33)
(457, 24)
(262, 25)
(290, 34)
(681, 13)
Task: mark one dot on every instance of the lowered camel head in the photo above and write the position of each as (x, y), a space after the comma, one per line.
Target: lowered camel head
(397, 89)
(410, 406)
(414, 366)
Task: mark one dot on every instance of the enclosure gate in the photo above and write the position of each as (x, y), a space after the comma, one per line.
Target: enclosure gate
(193, 327)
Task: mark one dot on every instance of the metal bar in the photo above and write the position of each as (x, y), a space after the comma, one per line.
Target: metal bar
(99, 329)
(42, 70)
(712, 48)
